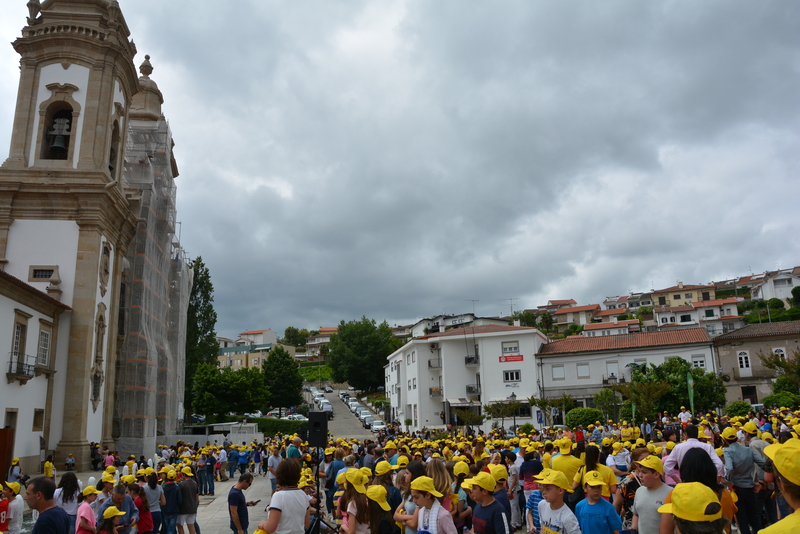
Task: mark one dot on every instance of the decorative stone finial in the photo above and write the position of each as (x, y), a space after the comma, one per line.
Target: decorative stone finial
(146, 68)
(34, 7)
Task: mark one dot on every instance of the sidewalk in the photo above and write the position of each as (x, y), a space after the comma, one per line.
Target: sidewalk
(212, 514)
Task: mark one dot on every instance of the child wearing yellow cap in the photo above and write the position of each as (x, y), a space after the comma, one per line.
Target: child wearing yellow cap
(489, 516)
(431, 517)
(554, 514)
(594, 513)
(650, 495)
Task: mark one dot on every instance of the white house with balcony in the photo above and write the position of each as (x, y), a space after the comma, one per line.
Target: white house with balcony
(777, 284)
(431, 376)
(581, 366)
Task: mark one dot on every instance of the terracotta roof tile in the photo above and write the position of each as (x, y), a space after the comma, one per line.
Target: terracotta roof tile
(674, 309)
(615, 311)
(784, 328)
(603, 326)
(560, 302)
(625, 341)
(716, 302)
(572, 309)
(685, 287)
(253, 332)
(481, 329)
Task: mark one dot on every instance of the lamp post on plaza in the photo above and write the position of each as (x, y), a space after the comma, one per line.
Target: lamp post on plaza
(612, 381)
(513, 400)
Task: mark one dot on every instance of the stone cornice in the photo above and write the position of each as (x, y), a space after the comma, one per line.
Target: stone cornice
(87, 198)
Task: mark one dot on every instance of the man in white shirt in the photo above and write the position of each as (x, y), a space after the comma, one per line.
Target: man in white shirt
(685, 417)
(272, 467)
(223, 464)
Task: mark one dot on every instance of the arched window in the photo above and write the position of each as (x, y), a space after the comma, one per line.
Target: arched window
(57, 131)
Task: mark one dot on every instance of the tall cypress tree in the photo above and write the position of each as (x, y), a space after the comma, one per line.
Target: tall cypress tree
(201, 343)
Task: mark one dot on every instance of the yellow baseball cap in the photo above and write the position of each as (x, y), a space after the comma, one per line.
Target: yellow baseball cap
(693, 501)
(729, 434)
(402, 462)
(187, 471)
(14, 461)
(172, 474)
(786, 458)
(425, 484)
(652, 462)
(461, 468)
(355, 478)
(340, 478)
(482, 479)
(556, 478)
(107, 478)
(377, 493)
(565, 446)
(383, 467)
(767, 436)
(90, 490)
(128, 479)
(112, 511)
(499, 472)
(750, 427)
(13, 486)
(594, 478)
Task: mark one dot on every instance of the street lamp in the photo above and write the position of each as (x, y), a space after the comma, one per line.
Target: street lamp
(513, 400)
(612, 381)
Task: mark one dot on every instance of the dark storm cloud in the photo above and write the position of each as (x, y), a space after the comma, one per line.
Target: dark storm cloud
(395, 159)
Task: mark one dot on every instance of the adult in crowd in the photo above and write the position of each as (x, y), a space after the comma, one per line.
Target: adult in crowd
(675, 457)
(124, 503)
(39, 496)
(237, 504)
(190, 498)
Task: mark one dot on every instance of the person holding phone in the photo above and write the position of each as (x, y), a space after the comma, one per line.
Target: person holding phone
(237, 504)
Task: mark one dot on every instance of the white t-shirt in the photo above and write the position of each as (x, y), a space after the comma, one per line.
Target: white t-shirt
(561, 521)
(15, 510)
(685, 417)
(646, 504)
(70, 507)
(292, 504)
(273, 462)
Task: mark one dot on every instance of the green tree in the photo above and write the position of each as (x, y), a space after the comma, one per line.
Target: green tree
(220, 391)
(295, 337)
(738, 409)
(783, 383)
(642, 311)
(526, 317)
(283, 379)
(645, 395)
(501, 410)
(583, 416)
(573, 329)
(201, 320)
(784, 398)
(358, 350)
(546, 322)
(787, 367)
(467, 417)
(709, 389)
(796, 296)
(604, 401)
(564, 403)
(545, 406)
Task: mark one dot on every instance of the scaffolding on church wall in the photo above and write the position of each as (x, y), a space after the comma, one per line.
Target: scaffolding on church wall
(151, 357)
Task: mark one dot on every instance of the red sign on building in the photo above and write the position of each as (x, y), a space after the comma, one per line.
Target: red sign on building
(515, 358)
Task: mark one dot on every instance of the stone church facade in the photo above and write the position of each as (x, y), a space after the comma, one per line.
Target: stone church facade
(87, 232)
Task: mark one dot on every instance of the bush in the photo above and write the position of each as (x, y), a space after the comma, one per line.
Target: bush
(527, 428)
(270, 426)
(783, 383)
(775, 304)
(583, 416)
(738, 409)
(784, 398)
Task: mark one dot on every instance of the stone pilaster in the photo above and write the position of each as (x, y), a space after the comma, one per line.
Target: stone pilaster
(81, 342)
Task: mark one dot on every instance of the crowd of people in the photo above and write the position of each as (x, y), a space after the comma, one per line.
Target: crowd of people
(701, 474)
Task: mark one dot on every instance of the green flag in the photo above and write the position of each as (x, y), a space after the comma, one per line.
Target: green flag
(690, 381)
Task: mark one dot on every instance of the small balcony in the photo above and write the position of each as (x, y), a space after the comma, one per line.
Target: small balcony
(472, 360)
(435, 363)
(21, 367)
(435, 392)
(473, 389)
(613, 380)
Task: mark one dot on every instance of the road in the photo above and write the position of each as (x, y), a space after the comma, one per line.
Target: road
(344, 423)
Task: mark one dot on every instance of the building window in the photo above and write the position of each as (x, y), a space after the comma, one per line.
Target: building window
(711, 329)
(413, 356)
(612, 369)
(524, 410)
(686, 318)
(510, 347)
(744, 359)
(688, 295)
(255, 361)
(414, 383)
(663, 320)
(511, 376)
(38, 420)
(672, 319)
(780, 352)
(710, 313)
(558, 372)
(676, 297)
(583, 370)
(42, 273)
(699, 361)
(43, 352)
(662, 301)
(409, 385)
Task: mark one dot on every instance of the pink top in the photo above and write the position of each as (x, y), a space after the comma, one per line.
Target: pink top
(109, 460)
(84, 510)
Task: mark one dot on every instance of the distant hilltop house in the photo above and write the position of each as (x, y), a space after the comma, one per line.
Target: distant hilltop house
(315, 343)
(250, 349)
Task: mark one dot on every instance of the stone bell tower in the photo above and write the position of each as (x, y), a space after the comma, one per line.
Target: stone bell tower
(62, 204)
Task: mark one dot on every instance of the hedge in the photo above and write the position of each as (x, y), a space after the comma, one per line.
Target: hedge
(583, 416)
(271, 426)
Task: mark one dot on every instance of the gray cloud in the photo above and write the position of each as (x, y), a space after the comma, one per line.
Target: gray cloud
(395, 159)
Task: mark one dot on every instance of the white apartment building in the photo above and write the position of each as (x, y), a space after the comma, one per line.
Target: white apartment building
(718, 316)
(614, 328)
(777, 284)
(469, 368)
(581, 366)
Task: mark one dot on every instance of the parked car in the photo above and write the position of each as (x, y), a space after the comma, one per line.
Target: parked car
(351, 388)
(257, 413)
(327, 408)
(378, 426)
(328, 389)
(363, 413)
(296, 417)
(367, 422)
(197, 418)
(354, 407)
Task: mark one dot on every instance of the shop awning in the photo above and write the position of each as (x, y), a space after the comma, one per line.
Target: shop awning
(458, 402)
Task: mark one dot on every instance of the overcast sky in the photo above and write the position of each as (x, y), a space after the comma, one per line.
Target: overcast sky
(396, 159)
